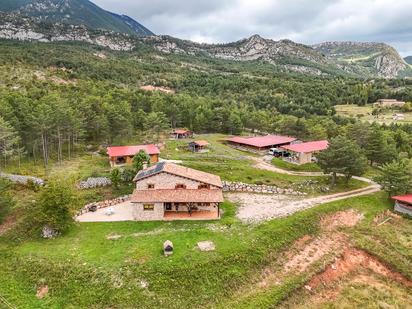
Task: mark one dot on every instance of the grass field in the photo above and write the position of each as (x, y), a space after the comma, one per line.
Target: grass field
(84, 269)
(308, 167)
(364, 113)
(235, 165)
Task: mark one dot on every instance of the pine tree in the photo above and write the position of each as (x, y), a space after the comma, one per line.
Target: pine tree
(396, 177)
(342, 157)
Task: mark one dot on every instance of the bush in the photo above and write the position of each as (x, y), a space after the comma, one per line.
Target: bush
(54, 208)
(6, 201)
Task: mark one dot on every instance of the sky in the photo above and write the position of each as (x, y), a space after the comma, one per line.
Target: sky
(303, 21)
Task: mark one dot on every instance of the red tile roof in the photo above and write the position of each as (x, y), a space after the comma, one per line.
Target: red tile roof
(181, 131)
(181, 171)
(262, 141)
(123, 151)
(201, 143)
(178, 196)
(403, 198)
(308, 147)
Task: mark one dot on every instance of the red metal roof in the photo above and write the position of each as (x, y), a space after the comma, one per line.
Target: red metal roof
(123, 151)
(403, 198)
(262, 141)
(308, 147)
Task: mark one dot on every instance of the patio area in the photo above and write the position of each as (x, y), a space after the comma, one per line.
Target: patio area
(196, 215)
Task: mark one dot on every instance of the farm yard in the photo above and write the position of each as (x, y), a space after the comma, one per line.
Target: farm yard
(116, 260)
(364, 113)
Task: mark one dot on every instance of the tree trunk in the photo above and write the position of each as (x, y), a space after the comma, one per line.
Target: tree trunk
(333, 179)
(44, 146)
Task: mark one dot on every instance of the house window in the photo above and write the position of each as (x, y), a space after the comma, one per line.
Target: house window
(180, 186)
(150, 186)
(204, 186)
(148, 207)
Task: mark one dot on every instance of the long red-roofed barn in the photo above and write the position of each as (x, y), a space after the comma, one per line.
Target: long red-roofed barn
(123, 155)
(403, 204)
(261, 143)
(303, 153)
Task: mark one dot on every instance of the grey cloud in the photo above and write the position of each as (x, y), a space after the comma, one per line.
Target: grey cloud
(305, 21)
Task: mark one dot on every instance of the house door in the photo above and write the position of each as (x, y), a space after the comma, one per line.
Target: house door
(168, 206)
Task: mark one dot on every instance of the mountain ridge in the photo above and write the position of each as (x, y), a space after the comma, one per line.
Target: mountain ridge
(75, 12)
(356, 59)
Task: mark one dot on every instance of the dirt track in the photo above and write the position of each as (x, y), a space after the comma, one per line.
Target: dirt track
(254, 208)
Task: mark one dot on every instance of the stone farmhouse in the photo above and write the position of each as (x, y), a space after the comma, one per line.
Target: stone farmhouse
(168, 191)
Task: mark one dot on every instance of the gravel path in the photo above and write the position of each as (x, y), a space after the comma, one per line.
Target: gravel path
(255, 208)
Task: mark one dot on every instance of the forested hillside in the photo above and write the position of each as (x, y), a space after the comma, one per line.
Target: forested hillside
(55, 97)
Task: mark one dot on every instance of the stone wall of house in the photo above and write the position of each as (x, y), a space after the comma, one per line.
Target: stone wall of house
(139, 214)
(252, 188)
(167, 181)
(23, 180)
(103, 204)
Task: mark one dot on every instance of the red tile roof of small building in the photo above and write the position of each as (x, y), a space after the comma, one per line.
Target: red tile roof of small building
(181, 131)
(308, 147)
(178, 196)
(262, 141)
(201, 143)
(123, 151)
(403, 198)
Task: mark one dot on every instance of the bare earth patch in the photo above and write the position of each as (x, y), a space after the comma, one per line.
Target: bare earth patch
(351, 260)
(348, 218)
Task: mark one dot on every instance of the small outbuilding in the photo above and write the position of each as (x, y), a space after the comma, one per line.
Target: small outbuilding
(304, 152)
(403, 204)
(199, 146)
(181, 133)
(123, 155)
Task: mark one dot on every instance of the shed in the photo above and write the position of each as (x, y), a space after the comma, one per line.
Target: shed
(403, 204)
(198, 146)
(123, 155)
(181, 133)
(303, 153)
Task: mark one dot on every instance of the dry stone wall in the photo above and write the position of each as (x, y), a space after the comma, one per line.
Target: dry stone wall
(23, 180)
(103, 204)
(253, 188)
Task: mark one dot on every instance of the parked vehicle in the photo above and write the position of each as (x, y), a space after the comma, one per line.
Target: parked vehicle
(276, 152)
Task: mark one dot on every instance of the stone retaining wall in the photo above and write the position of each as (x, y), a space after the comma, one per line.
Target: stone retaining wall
(94, 182)
(104, 204)
(23, 180)
(252, 188)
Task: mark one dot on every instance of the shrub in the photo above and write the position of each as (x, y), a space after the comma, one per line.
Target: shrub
(6, 201)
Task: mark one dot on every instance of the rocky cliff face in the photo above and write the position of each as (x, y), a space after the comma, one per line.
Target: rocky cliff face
(16, 27)
(374, 59)
(285, 54)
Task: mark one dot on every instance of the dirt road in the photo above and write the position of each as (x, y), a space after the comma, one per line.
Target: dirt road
(254, 208)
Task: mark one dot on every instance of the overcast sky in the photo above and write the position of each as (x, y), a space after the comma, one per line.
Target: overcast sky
(304, 21)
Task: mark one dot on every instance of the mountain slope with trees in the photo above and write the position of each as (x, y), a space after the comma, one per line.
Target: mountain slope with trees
(75, 12)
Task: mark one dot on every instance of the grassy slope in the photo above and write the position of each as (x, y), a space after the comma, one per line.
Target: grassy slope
(103, 273)
(309, 167)
(365, 113)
